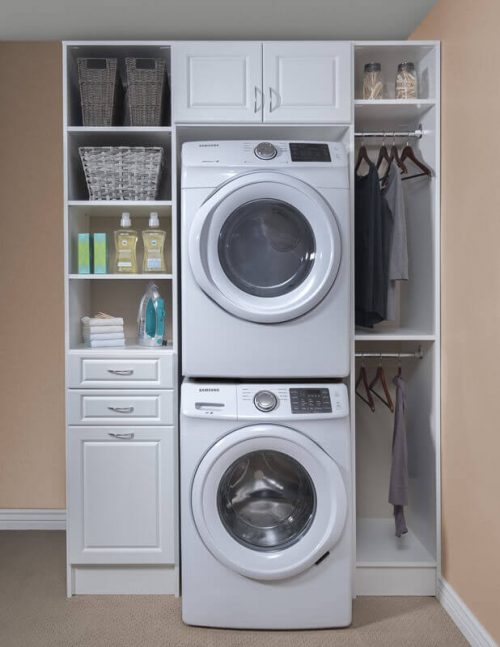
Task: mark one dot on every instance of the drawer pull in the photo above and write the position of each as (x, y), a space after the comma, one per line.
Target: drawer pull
(121, 436)
(123, 373)
(121, 409)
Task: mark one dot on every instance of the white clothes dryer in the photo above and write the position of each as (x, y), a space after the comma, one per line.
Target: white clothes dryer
(265, 259)
(266, 510)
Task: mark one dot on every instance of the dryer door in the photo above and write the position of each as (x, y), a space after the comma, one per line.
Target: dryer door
(268, 502)
(265, 246)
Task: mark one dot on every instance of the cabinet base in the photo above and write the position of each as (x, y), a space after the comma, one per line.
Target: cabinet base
(395, 580)
(123, 580)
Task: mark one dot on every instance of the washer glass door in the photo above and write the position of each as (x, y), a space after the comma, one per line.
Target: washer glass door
(266, 247)
(268, 502)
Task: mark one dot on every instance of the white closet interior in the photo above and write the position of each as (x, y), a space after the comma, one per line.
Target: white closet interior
(387, 564)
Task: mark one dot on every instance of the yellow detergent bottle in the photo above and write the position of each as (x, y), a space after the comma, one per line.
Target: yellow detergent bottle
(125, 247)
(154, 242)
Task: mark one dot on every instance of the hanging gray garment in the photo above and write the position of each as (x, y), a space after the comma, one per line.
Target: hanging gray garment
(398, 486)
(398, 255)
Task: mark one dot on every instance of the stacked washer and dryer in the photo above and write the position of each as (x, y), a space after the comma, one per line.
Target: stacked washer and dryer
(266, 492)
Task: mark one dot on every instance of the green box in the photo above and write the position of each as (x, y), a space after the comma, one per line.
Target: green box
(100, 254)
(84, 253)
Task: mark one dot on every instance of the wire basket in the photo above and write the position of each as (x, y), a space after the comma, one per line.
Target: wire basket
(147, 89)
(122, 172)
(98, 80)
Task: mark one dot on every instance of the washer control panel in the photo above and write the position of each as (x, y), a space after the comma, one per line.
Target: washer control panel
(265, 401)
(310, 400)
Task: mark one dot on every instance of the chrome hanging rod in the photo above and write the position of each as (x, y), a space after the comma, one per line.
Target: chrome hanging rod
(387, 134)
(416, 355)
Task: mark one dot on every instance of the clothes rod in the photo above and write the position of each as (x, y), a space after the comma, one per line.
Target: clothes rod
(387, 134)
(416, 355)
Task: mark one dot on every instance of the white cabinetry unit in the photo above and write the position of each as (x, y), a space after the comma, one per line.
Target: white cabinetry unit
(117, 485)
(121, 403)
(297, 82)
(218, 82)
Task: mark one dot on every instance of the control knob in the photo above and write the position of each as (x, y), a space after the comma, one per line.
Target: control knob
(265, 401)
(265, 151)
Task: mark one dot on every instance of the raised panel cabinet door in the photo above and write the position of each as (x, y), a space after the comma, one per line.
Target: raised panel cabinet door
(307, 82)
(217, 82)
(121, 495)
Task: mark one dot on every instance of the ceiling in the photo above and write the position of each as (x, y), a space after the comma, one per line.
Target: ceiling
(210, 19)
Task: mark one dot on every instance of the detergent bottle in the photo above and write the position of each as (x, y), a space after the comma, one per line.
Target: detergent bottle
(151, 317)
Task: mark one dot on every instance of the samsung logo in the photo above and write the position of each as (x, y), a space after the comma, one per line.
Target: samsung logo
(213, 390)
(209, 145)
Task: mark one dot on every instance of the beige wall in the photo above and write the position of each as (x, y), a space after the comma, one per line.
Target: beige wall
(31, 277)
(470, 168)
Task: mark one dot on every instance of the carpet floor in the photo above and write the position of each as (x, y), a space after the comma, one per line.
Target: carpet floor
(34, 612)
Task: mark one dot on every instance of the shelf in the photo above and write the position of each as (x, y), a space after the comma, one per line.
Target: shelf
(401, 334)
(131, 346)
(119, 203)
(390, 114)
(119, 129)
(112, 277)
(377, 546)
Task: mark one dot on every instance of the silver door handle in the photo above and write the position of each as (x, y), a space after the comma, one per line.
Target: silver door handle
(121, 409)
(121, 436)
(256, 106)
(278, 99)
(270, 99)
(128, 371)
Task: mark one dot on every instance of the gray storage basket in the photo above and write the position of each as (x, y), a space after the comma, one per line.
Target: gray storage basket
(147, 88)
(98, 79)
(122, 172)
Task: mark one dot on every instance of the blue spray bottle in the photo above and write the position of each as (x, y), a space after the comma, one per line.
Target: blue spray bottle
(151, 317)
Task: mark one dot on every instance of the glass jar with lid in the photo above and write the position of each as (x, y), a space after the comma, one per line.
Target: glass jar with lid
(406, 81)
(373, 84)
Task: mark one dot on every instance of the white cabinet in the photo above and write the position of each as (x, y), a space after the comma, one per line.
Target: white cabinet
(304, 82)
(121, 495)
(307, 82)
(217, 82)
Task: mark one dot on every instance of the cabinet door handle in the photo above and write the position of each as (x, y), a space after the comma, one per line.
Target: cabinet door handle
(121, 436)
(123, 372)
(278, 99)
(256, 106)
(270, 99)
(121, 409)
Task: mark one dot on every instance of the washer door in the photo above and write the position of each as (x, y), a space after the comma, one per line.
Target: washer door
(268, 502)
(266, 247)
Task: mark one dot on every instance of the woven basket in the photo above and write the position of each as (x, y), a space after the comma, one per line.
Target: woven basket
(98, 79)
(146, 90)
(122, 172)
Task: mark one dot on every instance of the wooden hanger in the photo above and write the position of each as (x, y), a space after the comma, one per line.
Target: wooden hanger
(395, 156)
(383, 156)
(409, 154)
(362, 156)
(380, 377)
(363, 379)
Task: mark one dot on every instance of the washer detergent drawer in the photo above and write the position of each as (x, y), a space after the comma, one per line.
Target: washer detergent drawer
(116, 372)
(120, 407)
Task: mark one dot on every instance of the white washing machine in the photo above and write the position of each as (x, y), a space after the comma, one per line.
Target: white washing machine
(265, 240)
(266, 524)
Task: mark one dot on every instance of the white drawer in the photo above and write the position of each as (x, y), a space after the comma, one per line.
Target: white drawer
(119, 372)
(93, 407)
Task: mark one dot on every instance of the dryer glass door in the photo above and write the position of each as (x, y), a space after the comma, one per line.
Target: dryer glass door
(268, 502)
(266, 247)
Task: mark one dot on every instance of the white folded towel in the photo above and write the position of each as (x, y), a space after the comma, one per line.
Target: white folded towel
(101, 329)
(104, 335)
(102, 321)
(97, 343)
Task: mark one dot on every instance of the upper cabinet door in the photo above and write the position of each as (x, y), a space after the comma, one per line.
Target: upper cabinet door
(217, 82)
(307, 82)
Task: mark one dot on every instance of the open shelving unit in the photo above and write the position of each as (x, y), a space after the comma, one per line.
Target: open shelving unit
(145, 507)
(385, 564)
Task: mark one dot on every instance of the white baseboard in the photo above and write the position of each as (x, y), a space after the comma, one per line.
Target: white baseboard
(462, 616)
(32, 519)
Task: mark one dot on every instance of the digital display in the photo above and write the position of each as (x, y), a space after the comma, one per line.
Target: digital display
(310, 401)
(310, 152)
